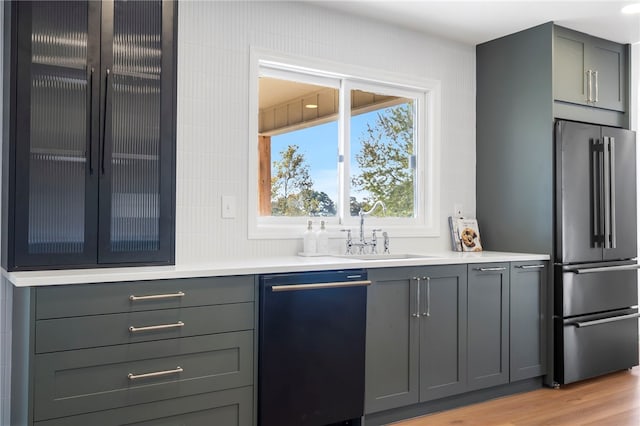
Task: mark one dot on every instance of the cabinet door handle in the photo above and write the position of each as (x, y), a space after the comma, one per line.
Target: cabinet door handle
(530, 266)
(595, 74)
(427, 313)
(107, 104)
(416, 313)
(589, 83)
(156, 296)
(133, 329)
(90, 71)
(176, 370)
(494, 269)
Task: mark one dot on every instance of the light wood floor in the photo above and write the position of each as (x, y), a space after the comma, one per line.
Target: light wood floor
(612, 400)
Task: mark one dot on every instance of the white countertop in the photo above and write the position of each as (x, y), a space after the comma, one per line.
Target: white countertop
(261, 265)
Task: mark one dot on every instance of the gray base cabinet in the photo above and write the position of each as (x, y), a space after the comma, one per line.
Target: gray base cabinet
(154, 352)
(528, 322)
(415, 335)
(231, 407)
(440, 331)
(391, 370)
(488, 325)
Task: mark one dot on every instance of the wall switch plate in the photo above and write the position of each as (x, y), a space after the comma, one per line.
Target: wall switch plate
(457, 210)
(228, 206)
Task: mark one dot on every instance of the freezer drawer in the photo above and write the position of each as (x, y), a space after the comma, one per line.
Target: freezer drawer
(596, 345)
(583, 290)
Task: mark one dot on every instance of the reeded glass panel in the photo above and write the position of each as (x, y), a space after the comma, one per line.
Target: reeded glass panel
(137, 33)
(135, 202)
(57, 164)
(59, 33)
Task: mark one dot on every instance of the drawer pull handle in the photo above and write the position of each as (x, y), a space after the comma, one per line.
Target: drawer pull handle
(132, 376)
(156, 327)
(498, 268)
(530, 266)
(156, 296)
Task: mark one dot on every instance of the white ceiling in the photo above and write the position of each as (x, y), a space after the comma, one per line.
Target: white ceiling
(474, 22)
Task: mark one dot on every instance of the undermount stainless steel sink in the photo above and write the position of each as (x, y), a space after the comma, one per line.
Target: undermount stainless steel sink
(383, 256)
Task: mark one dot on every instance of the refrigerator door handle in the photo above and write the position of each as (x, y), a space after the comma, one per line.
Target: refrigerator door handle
(596, 185)
(605, 269)
(580, 324)
(607, 194)
(612, 191)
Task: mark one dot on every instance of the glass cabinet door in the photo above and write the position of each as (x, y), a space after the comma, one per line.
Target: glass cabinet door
(53, 152)
(135, 203)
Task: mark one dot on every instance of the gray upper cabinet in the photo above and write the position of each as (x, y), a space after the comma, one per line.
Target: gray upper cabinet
(488, 325)
(416, 330)
(528, 324)
(589, 71)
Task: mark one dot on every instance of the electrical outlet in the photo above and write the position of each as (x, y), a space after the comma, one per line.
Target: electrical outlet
(457, 210)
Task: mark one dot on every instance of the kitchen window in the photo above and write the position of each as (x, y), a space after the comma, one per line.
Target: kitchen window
(328, 144)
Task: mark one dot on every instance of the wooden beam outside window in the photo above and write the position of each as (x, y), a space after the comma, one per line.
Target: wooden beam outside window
(264, 175)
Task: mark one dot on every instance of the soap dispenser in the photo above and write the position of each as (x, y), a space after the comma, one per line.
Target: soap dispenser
(310, 246)
(322, 237)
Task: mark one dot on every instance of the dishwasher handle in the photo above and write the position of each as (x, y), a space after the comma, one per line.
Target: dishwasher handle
(318, 286)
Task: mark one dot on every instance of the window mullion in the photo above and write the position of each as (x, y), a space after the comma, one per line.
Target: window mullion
(344, 151)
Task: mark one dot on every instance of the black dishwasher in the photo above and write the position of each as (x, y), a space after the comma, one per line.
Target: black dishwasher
(311, 348)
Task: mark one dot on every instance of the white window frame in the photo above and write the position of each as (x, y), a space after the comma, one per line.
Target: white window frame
(426, 93)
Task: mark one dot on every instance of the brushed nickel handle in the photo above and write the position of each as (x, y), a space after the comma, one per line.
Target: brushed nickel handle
(497, 268)
(317, 286)
(589, 84)
(416, 314)
(156, 296)
(156, 327)
(595, 74)
(428, 312)
(530, 266)
(176, 370)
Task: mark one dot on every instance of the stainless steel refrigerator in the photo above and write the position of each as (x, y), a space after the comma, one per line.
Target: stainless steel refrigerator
(595, 271)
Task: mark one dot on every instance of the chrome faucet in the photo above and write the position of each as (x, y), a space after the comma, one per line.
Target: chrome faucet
(362, 243)
(362, 214)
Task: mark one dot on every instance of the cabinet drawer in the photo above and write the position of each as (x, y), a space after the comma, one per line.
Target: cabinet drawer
(232, 407)
(87, 380)
(108, 298)
(113, 329)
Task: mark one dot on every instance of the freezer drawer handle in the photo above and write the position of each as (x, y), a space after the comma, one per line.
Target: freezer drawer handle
(605, 269)
(606, 320)
(498, 268)
(156, 296)
(177, 370)
(315, 286)
(133, 329)
(530, 266)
